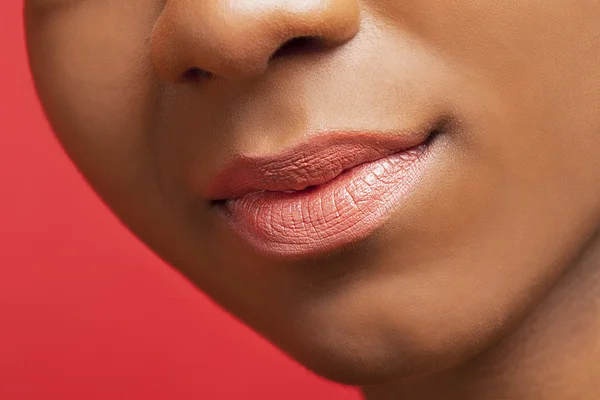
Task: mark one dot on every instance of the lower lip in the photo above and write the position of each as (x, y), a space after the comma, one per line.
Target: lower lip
(321, 219)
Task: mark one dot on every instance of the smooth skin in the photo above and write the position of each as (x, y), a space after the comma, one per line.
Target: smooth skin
(484, 284)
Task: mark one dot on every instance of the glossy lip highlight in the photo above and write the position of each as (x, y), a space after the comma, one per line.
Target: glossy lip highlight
(320, 194)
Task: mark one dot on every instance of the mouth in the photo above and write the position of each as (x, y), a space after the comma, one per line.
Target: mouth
(321, 194)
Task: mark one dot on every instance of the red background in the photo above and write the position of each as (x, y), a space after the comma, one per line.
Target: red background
(86, 311)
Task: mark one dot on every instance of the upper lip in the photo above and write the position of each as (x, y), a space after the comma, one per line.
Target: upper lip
(312, 162)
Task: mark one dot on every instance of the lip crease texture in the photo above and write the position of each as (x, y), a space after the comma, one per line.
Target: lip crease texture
(321, 194)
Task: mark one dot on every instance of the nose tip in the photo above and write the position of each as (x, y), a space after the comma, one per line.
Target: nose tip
(238, 39)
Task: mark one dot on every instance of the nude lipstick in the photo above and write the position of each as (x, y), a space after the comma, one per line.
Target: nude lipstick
(318, 195)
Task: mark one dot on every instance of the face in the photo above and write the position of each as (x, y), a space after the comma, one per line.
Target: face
(379, 187)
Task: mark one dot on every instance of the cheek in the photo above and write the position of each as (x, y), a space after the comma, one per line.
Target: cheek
(90, 68)
(535, 53)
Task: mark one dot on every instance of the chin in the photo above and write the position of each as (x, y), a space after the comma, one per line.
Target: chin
(352, 349)
(368, 360)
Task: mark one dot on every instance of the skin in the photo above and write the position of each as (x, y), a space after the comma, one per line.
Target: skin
(482, 285)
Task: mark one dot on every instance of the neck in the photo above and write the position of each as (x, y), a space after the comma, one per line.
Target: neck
(553, 354)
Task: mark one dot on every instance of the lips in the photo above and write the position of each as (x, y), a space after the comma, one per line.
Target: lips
(321, 194)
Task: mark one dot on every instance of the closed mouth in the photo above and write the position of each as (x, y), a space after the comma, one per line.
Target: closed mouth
(320, 194)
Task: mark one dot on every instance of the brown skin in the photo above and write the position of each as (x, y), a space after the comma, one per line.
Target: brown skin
(479, 284)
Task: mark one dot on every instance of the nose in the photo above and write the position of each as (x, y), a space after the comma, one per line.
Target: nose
(237, 39)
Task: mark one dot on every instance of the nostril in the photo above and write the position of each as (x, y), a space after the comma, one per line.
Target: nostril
(297, 45)
(195, 74)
